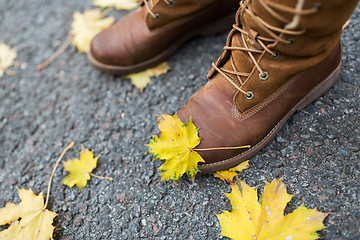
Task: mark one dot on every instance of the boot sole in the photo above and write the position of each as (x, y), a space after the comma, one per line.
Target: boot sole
(317, 92)
(214, 28)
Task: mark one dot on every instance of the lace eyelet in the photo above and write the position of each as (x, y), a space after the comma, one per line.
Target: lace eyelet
(276, 56)
(157, 17)
(292, 42)
(263, 78)
(318, 6)
(250, 96)
(171, 3)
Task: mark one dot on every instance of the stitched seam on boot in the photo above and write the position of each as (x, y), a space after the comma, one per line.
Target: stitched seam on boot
(262, 140)
(272, 97)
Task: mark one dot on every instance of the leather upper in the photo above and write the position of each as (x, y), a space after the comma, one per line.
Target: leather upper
(213, 109)
(137, 37)
(225, 117)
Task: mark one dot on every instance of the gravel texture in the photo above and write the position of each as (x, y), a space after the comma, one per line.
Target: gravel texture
(317, 151)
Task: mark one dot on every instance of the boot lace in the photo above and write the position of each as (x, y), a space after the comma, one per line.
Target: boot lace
(150, 3)
(265, 43)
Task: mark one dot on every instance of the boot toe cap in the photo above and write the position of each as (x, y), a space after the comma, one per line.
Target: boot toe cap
(212, 114)
(107, 50)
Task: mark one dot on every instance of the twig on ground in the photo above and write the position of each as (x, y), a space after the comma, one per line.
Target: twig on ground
(55, 55)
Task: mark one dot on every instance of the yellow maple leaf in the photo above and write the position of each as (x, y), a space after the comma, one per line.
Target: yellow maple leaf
(228, 175)
(176, 146)
(253, 219)
(85, 26)
(117, 4)
(80, 169)
(35, 220)
(7, 56)
(142, 79)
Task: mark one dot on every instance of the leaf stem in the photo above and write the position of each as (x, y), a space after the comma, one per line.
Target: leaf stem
(221, 148)
(106, 178)
(55, 55)
(38, 230)
(9, 72)
(37, 213)
(53, 172)
(106, 11)
(348, 22)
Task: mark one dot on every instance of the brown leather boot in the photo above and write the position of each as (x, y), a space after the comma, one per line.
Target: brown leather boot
(150, 34)
(280, 56)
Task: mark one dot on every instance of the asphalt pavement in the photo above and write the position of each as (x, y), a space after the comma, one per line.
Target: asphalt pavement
(317, 151)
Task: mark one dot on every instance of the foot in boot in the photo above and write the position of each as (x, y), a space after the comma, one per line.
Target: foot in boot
(148, 35)
(280, 56)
